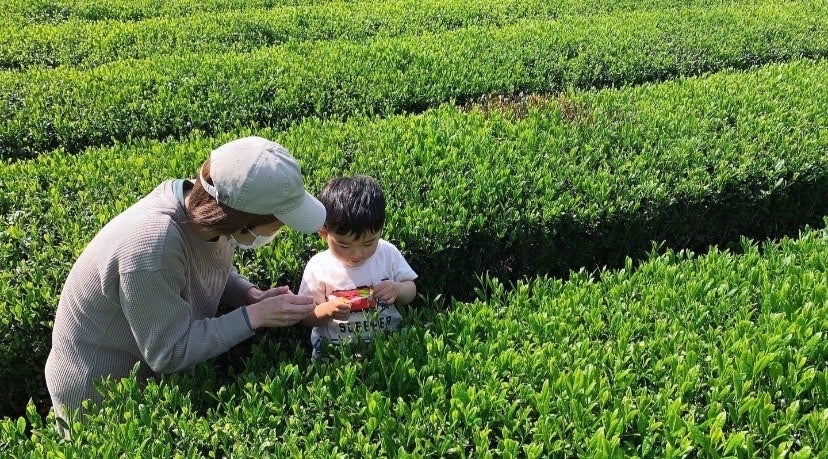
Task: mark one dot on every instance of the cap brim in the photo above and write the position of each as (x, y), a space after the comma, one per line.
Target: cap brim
(307, 218)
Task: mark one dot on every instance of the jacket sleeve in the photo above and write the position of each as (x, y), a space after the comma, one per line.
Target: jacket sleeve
(162, 323)
(235, 291)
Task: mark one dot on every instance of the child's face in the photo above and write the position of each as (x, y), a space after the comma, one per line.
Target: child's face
(351, 251)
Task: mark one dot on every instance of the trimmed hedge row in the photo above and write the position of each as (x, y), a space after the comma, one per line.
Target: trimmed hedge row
(86, 44)
(702, 356)
(25, 12)
(278, 87)
(584, 179)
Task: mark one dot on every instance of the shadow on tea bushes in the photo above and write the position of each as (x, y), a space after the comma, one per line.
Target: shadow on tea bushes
(566, 244)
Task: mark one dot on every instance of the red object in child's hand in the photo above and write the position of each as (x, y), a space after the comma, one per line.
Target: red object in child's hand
(361, 304)
(360, 298)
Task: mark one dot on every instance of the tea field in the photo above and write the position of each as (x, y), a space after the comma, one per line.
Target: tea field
(617, 211)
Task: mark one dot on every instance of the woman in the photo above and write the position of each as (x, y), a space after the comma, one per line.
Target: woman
(147, 287)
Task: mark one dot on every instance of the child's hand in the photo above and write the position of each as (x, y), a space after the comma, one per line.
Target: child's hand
(386, 292)
(336, 308)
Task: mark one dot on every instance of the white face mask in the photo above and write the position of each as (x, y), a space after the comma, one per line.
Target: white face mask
(260, 241)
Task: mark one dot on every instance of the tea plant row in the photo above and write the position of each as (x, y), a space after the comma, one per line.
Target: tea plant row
(89, 43)
(718, 355)
(28, 12)
(169, 96)
(584, 179)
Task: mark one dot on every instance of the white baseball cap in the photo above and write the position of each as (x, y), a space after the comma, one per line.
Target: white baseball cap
(258, 176)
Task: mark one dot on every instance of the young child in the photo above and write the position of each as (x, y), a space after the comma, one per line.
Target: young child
(359, 279)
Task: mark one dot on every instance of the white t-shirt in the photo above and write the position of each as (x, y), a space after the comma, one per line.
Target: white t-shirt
(326, 278)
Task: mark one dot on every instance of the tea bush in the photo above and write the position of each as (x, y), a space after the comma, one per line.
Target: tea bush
(28, 12)
(551, 168)
(86, 42)
(169, 96)
(685, 355)
(582, 180)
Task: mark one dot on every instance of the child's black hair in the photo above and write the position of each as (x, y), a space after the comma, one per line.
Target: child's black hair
(354, 205)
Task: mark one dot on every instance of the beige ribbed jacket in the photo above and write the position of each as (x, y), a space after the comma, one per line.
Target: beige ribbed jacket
(145, 289)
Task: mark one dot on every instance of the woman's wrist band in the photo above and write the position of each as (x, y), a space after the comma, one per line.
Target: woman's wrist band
(247, 318)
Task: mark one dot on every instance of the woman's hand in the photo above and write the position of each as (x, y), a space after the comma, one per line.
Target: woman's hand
(254, 295)
(281, 310)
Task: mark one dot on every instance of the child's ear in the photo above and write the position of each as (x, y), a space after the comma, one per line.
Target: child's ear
(323, 233)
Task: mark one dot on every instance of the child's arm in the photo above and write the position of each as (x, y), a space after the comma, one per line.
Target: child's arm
(335, 309)
(398, 293)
